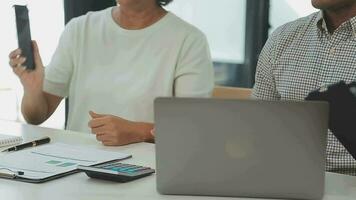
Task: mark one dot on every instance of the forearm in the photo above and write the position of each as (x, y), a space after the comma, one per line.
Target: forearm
(34, 107)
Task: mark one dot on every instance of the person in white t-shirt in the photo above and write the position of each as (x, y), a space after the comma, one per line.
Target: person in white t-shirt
(112, 64)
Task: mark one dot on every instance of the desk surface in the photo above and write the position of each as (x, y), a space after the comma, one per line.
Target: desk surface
(80, 187)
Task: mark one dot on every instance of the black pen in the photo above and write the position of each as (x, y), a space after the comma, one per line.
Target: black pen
(34, 143)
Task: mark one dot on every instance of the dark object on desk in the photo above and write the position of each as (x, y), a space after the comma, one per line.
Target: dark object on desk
(116, 171)
(24, 35)
(342, 100)
(34, 143)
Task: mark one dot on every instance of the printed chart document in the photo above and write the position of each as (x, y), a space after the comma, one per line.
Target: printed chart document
(52, 159)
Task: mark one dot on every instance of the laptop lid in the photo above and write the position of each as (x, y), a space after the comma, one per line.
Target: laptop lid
(247, 148)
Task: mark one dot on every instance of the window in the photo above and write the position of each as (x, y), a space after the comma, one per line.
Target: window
(47, 23)
(223, 22)
(283, 11)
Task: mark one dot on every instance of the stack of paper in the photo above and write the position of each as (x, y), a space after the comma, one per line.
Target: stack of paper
(53, 159)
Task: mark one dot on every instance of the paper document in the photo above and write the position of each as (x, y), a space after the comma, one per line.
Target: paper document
(52, 159)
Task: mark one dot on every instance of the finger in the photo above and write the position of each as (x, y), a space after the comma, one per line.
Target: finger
(99, 130)
(98, 122)
(102, 138)
(96, 115)
(109, 143)
(98, 133)
(17, 61)
(19, 71)
(99, 137)
(36, 54)
(15, 53)
(153, 132)
(107, 138)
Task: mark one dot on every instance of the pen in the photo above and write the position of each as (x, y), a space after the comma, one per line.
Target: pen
(34, 143)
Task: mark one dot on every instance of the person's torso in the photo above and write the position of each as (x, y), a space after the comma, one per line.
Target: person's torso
(313, 60)
(308, 59)
(120, 72)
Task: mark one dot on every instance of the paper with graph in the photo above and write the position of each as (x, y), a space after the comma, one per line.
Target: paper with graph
(52, 159)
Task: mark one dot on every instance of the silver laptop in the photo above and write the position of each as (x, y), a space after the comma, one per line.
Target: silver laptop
(241, 148)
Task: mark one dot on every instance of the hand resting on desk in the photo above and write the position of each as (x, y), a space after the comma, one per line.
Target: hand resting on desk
(113, 131)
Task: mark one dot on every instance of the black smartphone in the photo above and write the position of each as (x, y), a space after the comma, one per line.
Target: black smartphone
(24, 35)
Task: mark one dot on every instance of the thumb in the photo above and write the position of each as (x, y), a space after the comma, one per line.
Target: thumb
(95, 115)
(36, 54)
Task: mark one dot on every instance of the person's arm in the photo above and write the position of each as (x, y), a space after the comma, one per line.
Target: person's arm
(194, 72)
(55, 79)
(37, 106)
(45, 88)
(265, 85)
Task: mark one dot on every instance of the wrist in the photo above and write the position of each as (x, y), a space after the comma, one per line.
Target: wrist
(32, 92)
(143, 130)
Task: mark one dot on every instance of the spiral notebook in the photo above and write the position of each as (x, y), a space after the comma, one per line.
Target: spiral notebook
(9, 140)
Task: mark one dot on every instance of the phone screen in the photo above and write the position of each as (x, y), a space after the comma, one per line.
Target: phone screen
(24, 35)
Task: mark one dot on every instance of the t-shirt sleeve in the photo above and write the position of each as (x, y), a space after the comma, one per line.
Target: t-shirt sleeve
(194, 76)
(265, 85)
(59, 72)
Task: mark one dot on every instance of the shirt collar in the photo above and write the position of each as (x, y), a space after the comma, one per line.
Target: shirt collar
(321, 23)
(320, 20)
(353, 26)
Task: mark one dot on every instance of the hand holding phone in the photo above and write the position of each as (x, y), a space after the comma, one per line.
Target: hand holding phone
(26, 61)
(24, 35)
(31, 80)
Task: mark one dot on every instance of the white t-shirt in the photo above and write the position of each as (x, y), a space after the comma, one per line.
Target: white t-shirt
(102, 67)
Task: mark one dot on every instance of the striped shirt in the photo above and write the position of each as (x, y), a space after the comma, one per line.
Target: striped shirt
(302, 56)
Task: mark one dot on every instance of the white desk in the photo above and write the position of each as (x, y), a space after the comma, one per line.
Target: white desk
(80, 187)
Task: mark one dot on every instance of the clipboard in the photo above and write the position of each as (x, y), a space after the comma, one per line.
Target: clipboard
(52, 161)
(15, 177)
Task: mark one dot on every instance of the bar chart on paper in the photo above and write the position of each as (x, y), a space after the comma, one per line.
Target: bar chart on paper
(51, 159)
